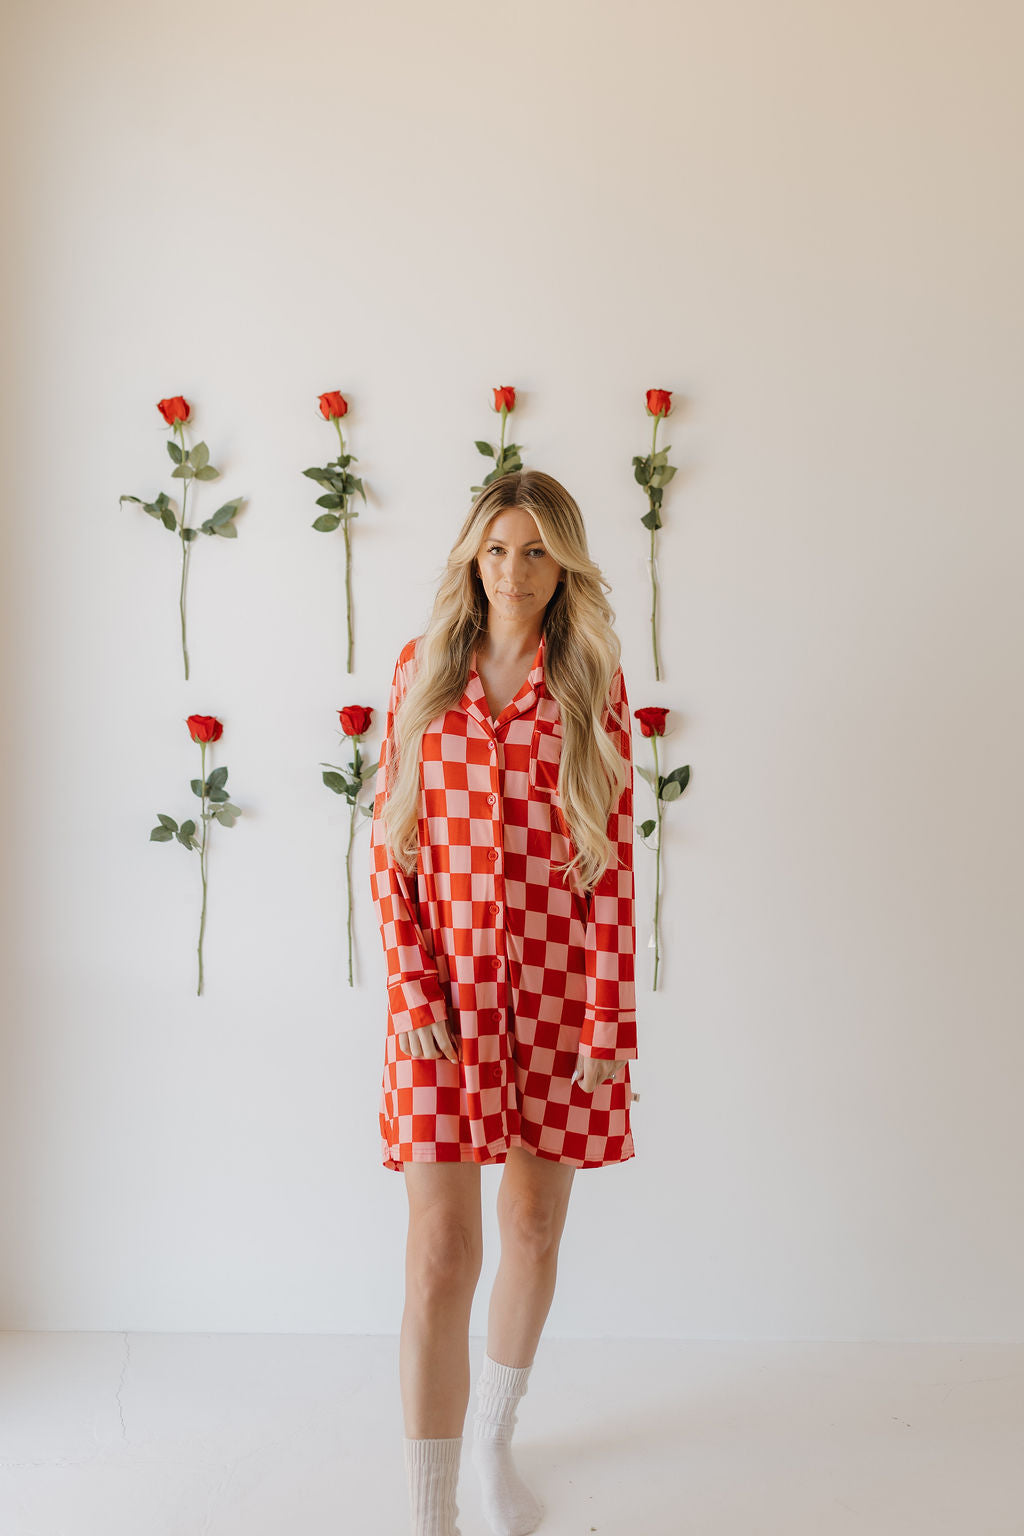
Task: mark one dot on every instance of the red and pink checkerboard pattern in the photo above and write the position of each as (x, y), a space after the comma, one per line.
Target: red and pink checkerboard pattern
(528, 971)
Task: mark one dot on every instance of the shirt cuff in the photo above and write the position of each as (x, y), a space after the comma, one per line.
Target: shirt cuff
(416, 1002)
(609, 1035)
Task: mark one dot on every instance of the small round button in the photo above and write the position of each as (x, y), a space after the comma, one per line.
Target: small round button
(492, 854)
(492, 745)
(493, 909)
(492, 798)
(496, 1016)
(497, 961)
(495, 1072)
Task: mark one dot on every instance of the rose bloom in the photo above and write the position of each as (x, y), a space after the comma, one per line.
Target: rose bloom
(505, 396)
(204, 728)
(175, 408)
(332, 404)
(652, 721)
(659, 402)
(355, 719)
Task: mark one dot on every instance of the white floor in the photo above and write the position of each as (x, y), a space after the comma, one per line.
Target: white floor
(248, 1435)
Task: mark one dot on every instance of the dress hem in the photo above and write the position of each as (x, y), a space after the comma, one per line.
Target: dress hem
(468, 1155)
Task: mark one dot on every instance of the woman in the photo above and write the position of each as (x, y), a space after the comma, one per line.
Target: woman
(502, 871)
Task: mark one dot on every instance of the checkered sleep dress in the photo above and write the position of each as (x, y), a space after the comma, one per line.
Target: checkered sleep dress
(528, 971)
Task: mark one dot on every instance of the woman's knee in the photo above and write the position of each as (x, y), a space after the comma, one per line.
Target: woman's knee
(445, 1255)
(532, 1224)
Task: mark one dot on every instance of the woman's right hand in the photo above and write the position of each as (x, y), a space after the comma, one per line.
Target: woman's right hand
(430, 1040)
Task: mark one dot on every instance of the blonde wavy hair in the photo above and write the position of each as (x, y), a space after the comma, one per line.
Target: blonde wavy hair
(581, 656)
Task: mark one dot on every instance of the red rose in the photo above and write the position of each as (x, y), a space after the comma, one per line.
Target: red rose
(652, 721)
(505, 396)
(175, 408)
(659, 402)
(355, 719)
(204, 728)
(333, 404)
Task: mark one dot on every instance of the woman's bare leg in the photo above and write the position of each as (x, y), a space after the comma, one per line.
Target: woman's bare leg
(533, 1198)
(444, 1253)
(532, 1201)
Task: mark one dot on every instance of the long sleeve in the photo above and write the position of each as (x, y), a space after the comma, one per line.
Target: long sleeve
(415, 994)
(609, 1023)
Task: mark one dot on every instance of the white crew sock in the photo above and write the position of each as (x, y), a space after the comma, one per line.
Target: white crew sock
(432, 1468)
(510, 1509)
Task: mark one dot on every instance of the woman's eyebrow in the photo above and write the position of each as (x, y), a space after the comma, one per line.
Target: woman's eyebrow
(538, 542)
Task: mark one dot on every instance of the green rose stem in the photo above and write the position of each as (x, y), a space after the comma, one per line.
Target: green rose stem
(184, 546)
(202, 866)
(348, 548)
(348, 781)
(657, 858)
(357, 771)
(654, 583)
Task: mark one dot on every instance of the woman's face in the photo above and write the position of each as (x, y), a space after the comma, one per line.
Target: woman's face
(519, 576)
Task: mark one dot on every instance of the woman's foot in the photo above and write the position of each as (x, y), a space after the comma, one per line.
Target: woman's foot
(510, 1508)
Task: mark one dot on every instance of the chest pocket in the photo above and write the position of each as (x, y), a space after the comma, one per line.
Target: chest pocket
(545, 756)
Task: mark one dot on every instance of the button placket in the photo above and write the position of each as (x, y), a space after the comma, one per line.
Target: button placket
(494, 855)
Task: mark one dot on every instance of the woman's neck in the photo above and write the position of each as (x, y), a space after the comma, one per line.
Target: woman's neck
(504, 644)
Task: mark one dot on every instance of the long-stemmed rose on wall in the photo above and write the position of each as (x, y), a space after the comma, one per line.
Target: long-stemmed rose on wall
(339, 486)
(654, 472)
(652, 724)
(349, 781)
(506, 456)
(216, 805)
(189, 464)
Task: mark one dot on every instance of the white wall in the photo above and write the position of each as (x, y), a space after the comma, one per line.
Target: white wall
(804, 218)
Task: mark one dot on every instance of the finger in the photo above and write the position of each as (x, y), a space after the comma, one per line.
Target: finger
(444, 1040)
(586, 1067)
(431, 1045)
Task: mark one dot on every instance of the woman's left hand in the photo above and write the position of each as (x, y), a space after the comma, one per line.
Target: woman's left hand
(592, 1071)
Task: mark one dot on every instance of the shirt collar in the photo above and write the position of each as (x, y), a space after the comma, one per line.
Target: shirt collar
(474, 700)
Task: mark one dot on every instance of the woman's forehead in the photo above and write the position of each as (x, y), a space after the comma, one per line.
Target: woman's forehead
(513, 523)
